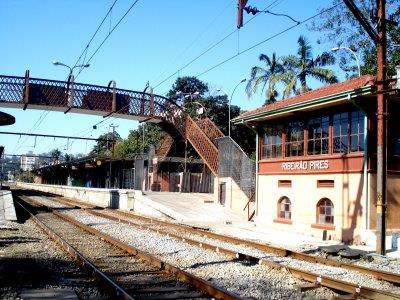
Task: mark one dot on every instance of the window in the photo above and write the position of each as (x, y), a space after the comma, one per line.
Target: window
(318, 136)
(284, 183)
(325, 183)
(284, 208)
(294, 139)
(340, 133)
(348, 132)
(272, 144)
(325, 211)
(357, 132)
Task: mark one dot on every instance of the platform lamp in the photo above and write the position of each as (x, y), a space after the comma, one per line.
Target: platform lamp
(70, 79)
(229, 104)
(334, 49)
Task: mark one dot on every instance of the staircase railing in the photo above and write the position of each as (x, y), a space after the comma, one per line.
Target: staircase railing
(210, 129)
(165, 146)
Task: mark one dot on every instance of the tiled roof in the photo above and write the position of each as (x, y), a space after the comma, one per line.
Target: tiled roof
(328, 90)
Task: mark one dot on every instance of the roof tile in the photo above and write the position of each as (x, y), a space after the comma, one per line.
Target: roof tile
(332, 89)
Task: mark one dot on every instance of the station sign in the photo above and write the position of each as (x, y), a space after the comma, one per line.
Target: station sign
(306, 165)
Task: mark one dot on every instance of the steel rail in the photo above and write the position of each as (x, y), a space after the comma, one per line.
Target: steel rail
(378, 274)
(118, 291)
(319, 280)
(192, 280)
(312, 277)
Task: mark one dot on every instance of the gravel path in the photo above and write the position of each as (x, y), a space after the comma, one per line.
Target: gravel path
(30, 260)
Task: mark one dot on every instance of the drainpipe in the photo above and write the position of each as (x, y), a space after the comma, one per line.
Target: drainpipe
(256, 187)
(366, 170)
(365, 162)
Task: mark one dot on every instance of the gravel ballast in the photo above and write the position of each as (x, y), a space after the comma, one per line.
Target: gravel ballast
(30, 260)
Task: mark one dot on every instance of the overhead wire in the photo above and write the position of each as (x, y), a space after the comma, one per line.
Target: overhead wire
(195, 39)
(265, 40)
(108, 35)
(211, 47)
(84, 52)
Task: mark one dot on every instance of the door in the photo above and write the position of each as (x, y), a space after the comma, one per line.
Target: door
(222, 193)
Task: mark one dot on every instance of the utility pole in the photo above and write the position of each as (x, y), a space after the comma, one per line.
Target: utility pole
(380, 40)
(113, 148)
(113, 137)
(381, 172)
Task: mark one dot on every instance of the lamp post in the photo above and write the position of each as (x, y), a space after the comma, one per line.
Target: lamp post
(71, 70)
(334, 49)
(229, 103)
(70, 80)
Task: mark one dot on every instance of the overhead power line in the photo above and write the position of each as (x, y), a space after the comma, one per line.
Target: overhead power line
(265, 40)
(211, 47)
(94, 34)
(52, 136)
(108, 35)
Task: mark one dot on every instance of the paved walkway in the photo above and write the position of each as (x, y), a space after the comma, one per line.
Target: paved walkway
(7, 209)
(196, 208)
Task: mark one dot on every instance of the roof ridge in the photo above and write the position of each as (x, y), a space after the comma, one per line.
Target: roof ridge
(323, 91)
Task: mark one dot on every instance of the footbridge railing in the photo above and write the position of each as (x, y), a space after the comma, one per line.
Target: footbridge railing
(68, 96)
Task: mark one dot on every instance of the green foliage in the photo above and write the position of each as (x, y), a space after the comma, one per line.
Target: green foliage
(303, 65)
(271, 75)
(105, 144)
(25, 176)
(216, 108)
(186, 85)
(134, 144)
(289, 71)
(338, 27)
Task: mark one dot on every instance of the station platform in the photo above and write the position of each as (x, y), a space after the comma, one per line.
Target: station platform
(7, 209)
(194, 208)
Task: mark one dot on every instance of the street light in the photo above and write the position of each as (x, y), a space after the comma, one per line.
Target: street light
(334, 49)
(229, 104)
(57, 63)
(70, 90)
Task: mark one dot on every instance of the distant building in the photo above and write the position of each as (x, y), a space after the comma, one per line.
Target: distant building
(28, 161)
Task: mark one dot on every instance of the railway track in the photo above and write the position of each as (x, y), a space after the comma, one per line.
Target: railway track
(127, 272)
(223, 244)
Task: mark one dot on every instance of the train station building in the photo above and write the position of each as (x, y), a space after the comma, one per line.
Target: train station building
(316, 162)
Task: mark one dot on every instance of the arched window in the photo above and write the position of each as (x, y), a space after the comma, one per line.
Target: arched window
(284, 208)
(325, 211)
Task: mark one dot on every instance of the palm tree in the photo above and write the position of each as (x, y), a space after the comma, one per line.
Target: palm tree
(298, 68)
(270, 75)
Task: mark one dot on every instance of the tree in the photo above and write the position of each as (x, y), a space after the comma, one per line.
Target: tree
(301, 66)
(270, 75)
(338, 26)
(216, 108)
(133, 144)
(55, 154)
(186, 85)
(104, 145)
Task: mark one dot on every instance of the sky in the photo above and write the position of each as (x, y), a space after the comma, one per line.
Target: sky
(155, 40)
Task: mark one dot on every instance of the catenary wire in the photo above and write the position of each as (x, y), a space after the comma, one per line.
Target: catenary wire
(265, 40)
(194, 40)
(94, 34)
(109, 34)
(211, 47)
